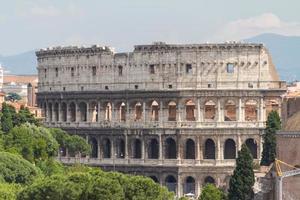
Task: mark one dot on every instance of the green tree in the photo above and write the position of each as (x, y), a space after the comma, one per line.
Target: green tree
(6, 118)
(211, 192)
(242, 180)
(24, 115)
(12, 97)
(269, 145)
(32, 142)
(15, 169)
(9, 191)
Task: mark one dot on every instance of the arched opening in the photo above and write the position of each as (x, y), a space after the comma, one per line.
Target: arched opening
(229, 149)
(138, 111)
(106, 148)
(189, 186)
(94, 111)
(252, 146)
(83, 112)
(230, 111)
(271, 105)
(50, 111)
(251, 110)
(154, 178)
(94, 146)
(208, 180)
(153, 149)
(137, 148)
(64, 112)
(190, 110)
(170, 149)
(190, 149)
(171, 183)
(172, 111)
(45, 111)
(210, 149)
(210, 110)
(56, 114)
(108, 111)
(72, 111)
(120, 147)
(122, 111)
(154, 111)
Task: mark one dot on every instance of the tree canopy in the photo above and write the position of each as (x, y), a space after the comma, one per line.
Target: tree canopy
(211, 192)
(242, 180)
(269, 145)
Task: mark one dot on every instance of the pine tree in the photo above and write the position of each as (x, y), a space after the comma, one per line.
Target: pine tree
(6, 118)
(269, 146)
(242, 180)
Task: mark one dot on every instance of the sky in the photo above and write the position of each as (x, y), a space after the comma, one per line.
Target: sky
(33, 24)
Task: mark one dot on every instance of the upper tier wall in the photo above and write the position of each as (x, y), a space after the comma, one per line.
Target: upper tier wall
(157, 67)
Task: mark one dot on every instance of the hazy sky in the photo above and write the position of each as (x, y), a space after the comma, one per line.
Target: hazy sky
(34, 24)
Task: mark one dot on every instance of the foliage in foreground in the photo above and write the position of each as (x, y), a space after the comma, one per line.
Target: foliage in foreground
(242, 180)
(211, 192)
(269, 145)
(9, 191)
(95, 184)
(14, 169)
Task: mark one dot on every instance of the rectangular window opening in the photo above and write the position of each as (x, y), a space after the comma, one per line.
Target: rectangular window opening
(152, 69)
(188, 68)
(94, 70)
(230, 68)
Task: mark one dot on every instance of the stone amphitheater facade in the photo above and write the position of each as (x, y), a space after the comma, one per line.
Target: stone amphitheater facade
(176, 113)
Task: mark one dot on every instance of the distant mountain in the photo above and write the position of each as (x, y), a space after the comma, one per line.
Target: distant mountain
(285, 51)
(24, 63)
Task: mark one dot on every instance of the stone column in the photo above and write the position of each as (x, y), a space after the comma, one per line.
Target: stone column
(77, 112)
(178, 113)
(53, 113)
(220, 117)
(219, 152)
(199, 151)
(239, 142)
(161, 112)
(144, 111)
(68, 112)
(199, 118)
(127, 112)
(99, 148)
(261, 110)
(59, 113)
(48, 112)
(126, 146)
(113, 113)
(160, 148)
(179, 186)
(113, 154)
(88, 112)
(143, 148)
(240, 112)
(100, 117)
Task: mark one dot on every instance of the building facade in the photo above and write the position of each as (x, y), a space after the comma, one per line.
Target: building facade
(176, 113)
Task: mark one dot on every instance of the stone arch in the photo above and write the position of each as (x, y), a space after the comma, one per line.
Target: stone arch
(172, 111)
(72, 111)
(50, 111)
(251, 110)
(171, 183)
(153, 149)
(122, 112)
(154, 110)
(170, 149)
(210, 149)
(209, 179)
(83, 111)
(94, 146)
(106, 148)
(190, 149)
(136, 148)
(190, 110)
(138, 111)
(94, 111)
(229, 149)
(108, 111)
(154, 178)
(230, 111)
(210, 110)
(252, 146)
(271, 105)
(120, 148)
(189, 185)
(64, 112)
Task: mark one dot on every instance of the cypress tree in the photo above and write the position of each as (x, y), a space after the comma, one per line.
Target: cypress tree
(242, 180)
(269, 145)
(6, 118)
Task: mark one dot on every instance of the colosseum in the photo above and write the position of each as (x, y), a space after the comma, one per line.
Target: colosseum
(176, 113)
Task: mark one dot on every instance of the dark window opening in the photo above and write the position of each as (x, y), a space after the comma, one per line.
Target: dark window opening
(56, 72)
(136, 87)
(106, 87)
(188, 68)
(230, 68)
(120, 70)
(94, 70)
(152, 69)
(72, 71)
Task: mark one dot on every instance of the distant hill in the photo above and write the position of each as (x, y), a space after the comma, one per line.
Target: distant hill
(285, 52)
(24, 63)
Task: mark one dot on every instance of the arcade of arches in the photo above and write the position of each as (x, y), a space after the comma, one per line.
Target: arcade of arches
(249, 110)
